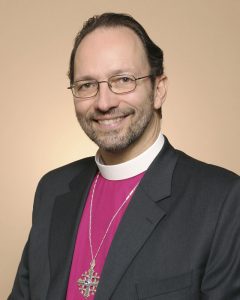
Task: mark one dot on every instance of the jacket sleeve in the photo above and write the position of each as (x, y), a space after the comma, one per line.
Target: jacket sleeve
(221, 280)
(21, 286)
(20, 289)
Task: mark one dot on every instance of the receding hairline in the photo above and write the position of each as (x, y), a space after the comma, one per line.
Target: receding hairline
(135, 43)
(115, 20)
(106, 27)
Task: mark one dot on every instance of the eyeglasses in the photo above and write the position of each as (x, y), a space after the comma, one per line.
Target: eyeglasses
(118, 84)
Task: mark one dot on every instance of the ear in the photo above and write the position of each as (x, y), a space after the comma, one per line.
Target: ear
(160, 91)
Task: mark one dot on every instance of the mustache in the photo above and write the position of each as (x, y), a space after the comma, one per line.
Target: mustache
(112, 112)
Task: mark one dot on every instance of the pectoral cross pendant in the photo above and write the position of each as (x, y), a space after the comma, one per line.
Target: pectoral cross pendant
(88, 281)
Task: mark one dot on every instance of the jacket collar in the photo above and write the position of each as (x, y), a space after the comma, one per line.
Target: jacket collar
(65, 219)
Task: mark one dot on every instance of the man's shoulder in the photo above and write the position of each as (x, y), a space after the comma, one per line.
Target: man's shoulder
(65, 174)
(192, 169)
(72, 167)
(202, 172)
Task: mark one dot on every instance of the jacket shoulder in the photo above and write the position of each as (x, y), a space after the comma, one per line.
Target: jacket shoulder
(203, 173)
(63, 175)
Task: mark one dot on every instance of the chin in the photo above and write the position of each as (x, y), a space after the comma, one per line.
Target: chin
(112, 147)
(117, 144)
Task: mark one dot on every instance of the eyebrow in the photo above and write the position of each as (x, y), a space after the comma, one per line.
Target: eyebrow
(111, 73)
(121, 72)
(84, 78)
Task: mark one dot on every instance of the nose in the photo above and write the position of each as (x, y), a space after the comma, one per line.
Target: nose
(105, 98)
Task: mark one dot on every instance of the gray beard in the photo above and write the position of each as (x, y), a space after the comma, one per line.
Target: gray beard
(115, 141)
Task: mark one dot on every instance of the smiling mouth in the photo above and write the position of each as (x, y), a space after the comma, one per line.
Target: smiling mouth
(109, 122)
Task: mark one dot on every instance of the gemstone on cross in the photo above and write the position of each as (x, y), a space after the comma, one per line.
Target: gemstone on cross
(88, 282)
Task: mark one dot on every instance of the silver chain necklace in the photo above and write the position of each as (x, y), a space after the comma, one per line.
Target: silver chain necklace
(89, 280)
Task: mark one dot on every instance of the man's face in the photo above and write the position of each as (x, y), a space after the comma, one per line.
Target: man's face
(116, 122)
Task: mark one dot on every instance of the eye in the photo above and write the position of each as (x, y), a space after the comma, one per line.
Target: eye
(121, 80)
(125, 79)
(82, 86)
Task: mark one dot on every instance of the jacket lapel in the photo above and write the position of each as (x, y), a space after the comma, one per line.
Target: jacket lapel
(139, 220)
(64, 225)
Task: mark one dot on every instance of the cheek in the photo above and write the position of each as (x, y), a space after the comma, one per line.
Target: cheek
(81, 108)
(141, 99)
(133, 100)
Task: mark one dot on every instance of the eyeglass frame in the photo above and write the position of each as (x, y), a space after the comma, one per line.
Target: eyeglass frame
(109, 85)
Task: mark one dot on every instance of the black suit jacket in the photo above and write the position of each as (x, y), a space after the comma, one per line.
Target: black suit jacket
(178, 239)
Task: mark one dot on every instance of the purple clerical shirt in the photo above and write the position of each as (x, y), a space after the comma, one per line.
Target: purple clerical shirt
(107, 198)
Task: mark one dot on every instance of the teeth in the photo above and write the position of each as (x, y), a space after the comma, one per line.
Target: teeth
(109, 122)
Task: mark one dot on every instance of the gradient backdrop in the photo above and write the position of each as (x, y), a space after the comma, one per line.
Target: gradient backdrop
(39, 130)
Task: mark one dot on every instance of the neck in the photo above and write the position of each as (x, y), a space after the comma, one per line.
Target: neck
(139, 146)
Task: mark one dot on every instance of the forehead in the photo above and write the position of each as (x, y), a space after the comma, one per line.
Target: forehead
(108, 51)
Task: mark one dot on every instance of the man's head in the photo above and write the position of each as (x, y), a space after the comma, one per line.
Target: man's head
(153, 52)
(117, 121)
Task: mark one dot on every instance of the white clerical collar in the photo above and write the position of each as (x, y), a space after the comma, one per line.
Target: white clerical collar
(131, 167)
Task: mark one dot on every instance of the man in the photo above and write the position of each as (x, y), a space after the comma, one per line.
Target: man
(141, 220)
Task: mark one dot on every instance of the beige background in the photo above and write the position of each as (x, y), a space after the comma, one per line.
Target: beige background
(38, 127)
